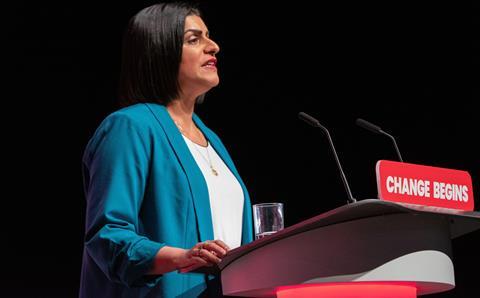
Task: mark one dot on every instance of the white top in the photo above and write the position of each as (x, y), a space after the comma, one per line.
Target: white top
(225, 193)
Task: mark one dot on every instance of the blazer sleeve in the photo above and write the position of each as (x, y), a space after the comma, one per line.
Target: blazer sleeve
(116, 165)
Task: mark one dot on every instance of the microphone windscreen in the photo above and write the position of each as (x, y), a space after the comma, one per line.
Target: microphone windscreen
(309, 119)
(367, 125)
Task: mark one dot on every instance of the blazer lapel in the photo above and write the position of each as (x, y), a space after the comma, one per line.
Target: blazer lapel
(198, 186)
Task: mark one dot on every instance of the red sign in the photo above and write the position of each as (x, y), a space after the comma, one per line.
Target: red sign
(424, 185)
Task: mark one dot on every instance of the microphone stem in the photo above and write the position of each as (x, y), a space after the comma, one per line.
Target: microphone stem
(351, 199)
(394, 144)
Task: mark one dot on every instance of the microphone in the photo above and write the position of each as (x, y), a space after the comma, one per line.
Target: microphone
(376, 129)
(315, 123)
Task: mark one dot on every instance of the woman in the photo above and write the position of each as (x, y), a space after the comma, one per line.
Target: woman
(163, 195)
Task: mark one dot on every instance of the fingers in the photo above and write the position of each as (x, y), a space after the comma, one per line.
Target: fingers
(205, 254)
(216, 247)
(222, 245)
(195, 251)
(209, 255)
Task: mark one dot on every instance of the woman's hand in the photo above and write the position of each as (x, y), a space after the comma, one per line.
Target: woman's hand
(206, 253)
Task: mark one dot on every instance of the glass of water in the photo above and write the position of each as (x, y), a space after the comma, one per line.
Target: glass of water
(267, 219)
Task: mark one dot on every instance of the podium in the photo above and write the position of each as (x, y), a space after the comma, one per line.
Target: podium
(368, 243)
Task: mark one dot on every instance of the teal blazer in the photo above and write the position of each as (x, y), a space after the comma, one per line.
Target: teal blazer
(144, 190)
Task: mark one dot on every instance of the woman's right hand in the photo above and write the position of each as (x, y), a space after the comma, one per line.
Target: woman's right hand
(206, 253)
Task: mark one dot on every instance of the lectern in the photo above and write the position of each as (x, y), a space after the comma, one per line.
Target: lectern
(371, 245)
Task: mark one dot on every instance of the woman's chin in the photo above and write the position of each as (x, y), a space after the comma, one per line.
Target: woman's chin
(213, 82)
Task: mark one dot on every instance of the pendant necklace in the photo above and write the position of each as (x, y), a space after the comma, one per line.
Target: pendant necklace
(208, 161)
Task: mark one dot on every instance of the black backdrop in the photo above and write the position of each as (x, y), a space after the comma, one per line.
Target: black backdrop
(409, 66)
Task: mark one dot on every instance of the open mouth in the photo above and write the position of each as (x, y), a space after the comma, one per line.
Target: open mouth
(211, 63)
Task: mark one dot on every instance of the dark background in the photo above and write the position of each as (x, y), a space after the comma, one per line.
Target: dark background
(409, 66)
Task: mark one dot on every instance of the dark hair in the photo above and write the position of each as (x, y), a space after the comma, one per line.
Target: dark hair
(152, 52)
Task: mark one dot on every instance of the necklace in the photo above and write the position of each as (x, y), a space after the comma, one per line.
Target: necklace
(207, 160)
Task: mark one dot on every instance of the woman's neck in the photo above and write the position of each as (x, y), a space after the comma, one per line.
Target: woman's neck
(181, 113)
(181, 108)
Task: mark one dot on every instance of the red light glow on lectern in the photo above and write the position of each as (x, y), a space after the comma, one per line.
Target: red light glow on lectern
(350, 290)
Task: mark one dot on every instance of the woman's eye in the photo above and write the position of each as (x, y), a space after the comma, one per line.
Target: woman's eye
(193, 40)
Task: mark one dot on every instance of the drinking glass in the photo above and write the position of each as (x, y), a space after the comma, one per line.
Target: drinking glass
(267, 219)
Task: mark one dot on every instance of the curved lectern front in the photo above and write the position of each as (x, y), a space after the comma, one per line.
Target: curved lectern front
(364, 243)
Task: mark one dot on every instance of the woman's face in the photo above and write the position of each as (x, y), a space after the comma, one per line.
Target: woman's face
(198, 68)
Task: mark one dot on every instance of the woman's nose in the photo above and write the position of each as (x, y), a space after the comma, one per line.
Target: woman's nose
(212, 47)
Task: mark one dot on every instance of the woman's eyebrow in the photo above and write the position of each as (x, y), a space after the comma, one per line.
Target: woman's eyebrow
(195, 31)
